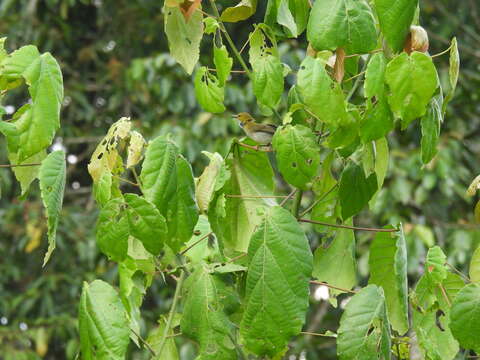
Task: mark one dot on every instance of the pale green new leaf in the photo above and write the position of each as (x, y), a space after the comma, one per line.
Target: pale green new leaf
(184, 36)
(212, 178)
(52, 177)
(355, 189)
(336, 264)
(285, 17)
(348, 24)
(103, 325)
(409, 97)
(388, 269)
(297, 153)
(204, 319)
(242, 11)
(146, 223)
(453, 72)
(223, 63)
(322, 96)
(277, 285)
(102, 189)
(465, 317)
(135, 148)
(395, 17)
(26, 174)
(435, 269)
(364, 332)
(112, 230)
(430, 123)
(474, 270)
(375, 76)
(208, 91)
(292, 14)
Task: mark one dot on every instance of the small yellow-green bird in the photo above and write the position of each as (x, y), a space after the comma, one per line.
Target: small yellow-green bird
(260, 133)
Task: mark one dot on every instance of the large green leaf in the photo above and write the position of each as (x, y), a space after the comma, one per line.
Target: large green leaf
(409, 97)
(242, 11)
(395, 17)
(276, 294)
(298, 154)
(235, 218)
(103, 325)
(377, 121)
(335, 264)
(364, 331)
(204, 319)
(208, 91)
(184, 36)
(52, 177)
(292, 14)
(465, 317)
(267, 74)
(388, 269)
(474, 270)
(112, 230)
(430, 123)
(345, 24)
(355, 189)
(322, 96)
(146, 223)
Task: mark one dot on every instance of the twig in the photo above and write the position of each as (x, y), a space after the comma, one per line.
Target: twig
(142, 340)
(19, 165)
(458, 272)
(232, 71)
(331, 286)
(137, 178)
(371, 52)
(313, 334)
(172, 312)
(125, 180)
(444, 293)
(289, 196)
(237, 257)
(297, 202)
(257, 196)
(357, 81)
(196, 242)
(355, 76)
(321, 198)
(256, 148)
(171, 336)
(346, 226)
(442, 52)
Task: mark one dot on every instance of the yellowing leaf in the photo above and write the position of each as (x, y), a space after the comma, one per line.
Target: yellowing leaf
(135, 147)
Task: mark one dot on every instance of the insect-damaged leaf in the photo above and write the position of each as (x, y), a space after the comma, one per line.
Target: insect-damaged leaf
(209, 91)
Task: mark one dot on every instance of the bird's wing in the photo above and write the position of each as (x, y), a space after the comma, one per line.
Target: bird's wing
(266, 128)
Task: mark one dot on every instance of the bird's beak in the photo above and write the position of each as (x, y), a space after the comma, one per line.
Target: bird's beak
(235, 116)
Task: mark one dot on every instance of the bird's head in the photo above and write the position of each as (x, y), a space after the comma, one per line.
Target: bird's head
(244, 118)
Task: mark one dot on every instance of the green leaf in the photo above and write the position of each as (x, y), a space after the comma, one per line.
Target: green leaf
(465, 317)
(375, 76)
(347, 24)
(335, 264)
(377, 121)
(112, 230)
(381, 160)
(136, 144)
(297, 153)
(320, 93)
(146, 223)
(364, 331)
(267, 74)
(103, 325)
(242, 11)
(474, 271)
(208, 91)
(435, 269)
(395, 17)
(52, 177)
(154, 339)
(251, 174)
(355, 190)
(213, 178)
(204, 250)
(409, 97)
(277, 285)
(223, 63)
(211, 25)
(102, 189)
(292, 14)
(430, 123)
(26, 174)
(453, 72)
(203, 317)
(388, 269)
(184, 36)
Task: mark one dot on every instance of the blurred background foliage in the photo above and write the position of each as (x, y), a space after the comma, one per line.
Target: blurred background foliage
(115, 62)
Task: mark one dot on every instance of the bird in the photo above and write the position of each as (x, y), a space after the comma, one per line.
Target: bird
(260, 133)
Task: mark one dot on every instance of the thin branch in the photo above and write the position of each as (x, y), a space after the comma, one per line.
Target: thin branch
(297, 202)
(137, 178)
(232, 71)
(320, 199)
(442, 52)
(371, 52)
(459, 272)
(196, 242)
(237, 257)
(332, 287)
(244, 45)
(171, 336)
(346, 226)
(178, 291)
(355, 76)
(256, 148)
(445, 296)
(19, 165)
(257, 196)
(358, 80)
(314, 334)
(284, 201)
(142, 340)
(125, 180)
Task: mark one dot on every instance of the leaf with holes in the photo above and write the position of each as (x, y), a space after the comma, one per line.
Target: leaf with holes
(146, 223)
(364, 331)
(298, 154)
(347, 24)
(112, 230)
(52, 177)
(103, 325)
(223, 63)
(208, 91)
(276, 291)
(388, 269)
